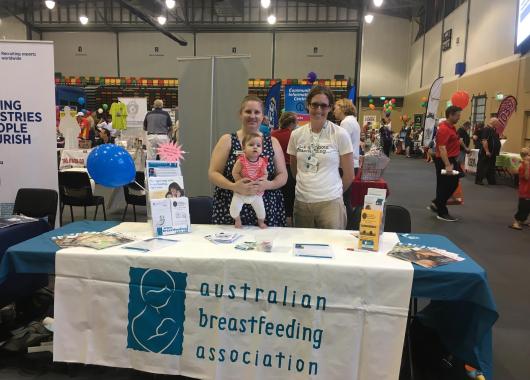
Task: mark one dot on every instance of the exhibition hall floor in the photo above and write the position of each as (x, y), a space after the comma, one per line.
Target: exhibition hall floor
(482, 232)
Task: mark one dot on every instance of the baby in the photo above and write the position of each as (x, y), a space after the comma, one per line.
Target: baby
(251, 166)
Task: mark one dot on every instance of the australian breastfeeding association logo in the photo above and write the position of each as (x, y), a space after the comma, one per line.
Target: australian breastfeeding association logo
(156, 311)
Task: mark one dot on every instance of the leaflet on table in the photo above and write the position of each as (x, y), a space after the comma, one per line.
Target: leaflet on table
(427, 257)
(223, 237)
(313, 250)
(170, 216)
(152, 244)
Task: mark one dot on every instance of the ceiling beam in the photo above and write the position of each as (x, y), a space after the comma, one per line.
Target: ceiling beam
(142, 16)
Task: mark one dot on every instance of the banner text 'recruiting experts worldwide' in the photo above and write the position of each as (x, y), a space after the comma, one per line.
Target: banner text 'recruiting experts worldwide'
(14, 122)
(291, 329)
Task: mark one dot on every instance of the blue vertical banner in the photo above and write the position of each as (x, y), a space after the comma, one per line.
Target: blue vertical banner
(272, 105)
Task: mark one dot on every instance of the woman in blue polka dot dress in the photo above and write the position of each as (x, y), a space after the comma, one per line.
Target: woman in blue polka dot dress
(223, 159)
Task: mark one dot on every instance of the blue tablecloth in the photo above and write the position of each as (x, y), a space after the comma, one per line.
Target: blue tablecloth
(19, 285)
(38, 254)
(462, 309)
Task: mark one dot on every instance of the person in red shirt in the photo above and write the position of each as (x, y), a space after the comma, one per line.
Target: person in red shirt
(447, 151)
(283, 134)
(523, 209)
(84, 125)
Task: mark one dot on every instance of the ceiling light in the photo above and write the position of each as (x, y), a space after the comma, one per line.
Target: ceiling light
(369, 18)
(271, 19)
(378, 3)
(265, 3)
(170, 4)
(161, 20)
(83, 20)
(50, 4)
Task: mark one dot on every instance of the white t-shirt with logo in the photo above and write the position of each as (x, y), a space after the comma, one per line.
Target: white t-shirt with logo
(350, 124)
(325, 183)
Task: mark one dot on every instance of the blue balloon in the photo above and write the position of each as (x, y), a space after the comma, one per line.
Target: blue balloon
(111, 165)
(81, 101)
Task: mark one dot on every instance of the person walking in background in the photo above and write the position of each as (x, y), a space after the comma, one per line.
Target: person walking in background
(477, 135)
(489, 150)
(385, 135)
(157, 123)
(463, 135)
(287, 124)
(523, 209)
(408, 140)
(447, 151)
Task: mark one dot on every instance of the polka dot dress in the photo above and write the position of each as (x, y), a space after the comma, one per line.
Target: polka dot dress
(273, 199)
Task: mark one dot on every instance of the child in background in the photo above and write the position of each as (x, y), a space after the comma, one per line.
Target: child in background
(524, 192)
(250, 166)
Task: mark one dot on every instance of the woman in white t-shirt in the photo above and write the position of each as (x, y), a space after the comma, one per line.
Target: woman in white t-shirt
(317, 150)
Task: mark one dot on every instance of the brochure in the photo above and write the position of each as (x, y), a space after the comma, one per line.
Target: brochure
(427, 257)
(151, 244)
(169, 207)
(96, 240)
(223, 238)
(313, 250)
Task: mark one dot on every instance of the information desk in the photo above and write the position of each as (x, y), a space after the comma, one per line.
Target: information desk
(211, 311)
(462, 309)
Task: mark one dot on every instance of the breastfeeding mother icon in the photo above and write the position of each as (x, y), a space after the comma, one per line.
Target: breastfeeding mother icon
(161, 316)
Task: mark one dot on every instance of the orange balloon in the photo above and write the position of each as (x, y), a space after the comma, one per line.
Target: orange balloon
(460, 99)
(424, 99)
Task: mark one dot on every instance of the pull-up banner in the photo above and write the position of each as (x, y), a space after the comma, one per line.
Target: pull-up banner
(28, 145)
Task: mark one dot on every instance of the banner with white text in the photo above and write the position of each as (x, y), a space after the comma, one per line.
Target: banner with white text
(28, 147)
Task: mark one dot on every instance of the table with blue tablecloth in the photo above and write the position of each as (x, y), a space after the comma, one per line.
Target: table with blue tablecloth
(462, 309)
(38, 255)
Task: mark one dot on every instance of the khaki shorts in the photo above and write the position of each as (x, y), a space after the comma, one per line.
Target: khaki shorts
(328, 214)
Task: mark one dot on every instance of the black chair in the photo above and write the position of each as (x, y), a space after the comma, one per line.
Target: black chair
(397, 219)
(75, 190)
(201, 209)
(37, 203)
(134, 194)
(354, 219)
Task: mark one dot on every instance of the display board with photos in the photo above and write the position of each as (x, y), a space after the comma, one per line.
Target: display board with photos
(168, 203)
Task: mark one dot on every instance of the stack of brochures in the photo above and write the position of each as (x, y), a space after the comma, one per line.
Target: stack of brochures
(372, 219)
(427, 257)
(96, 240)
